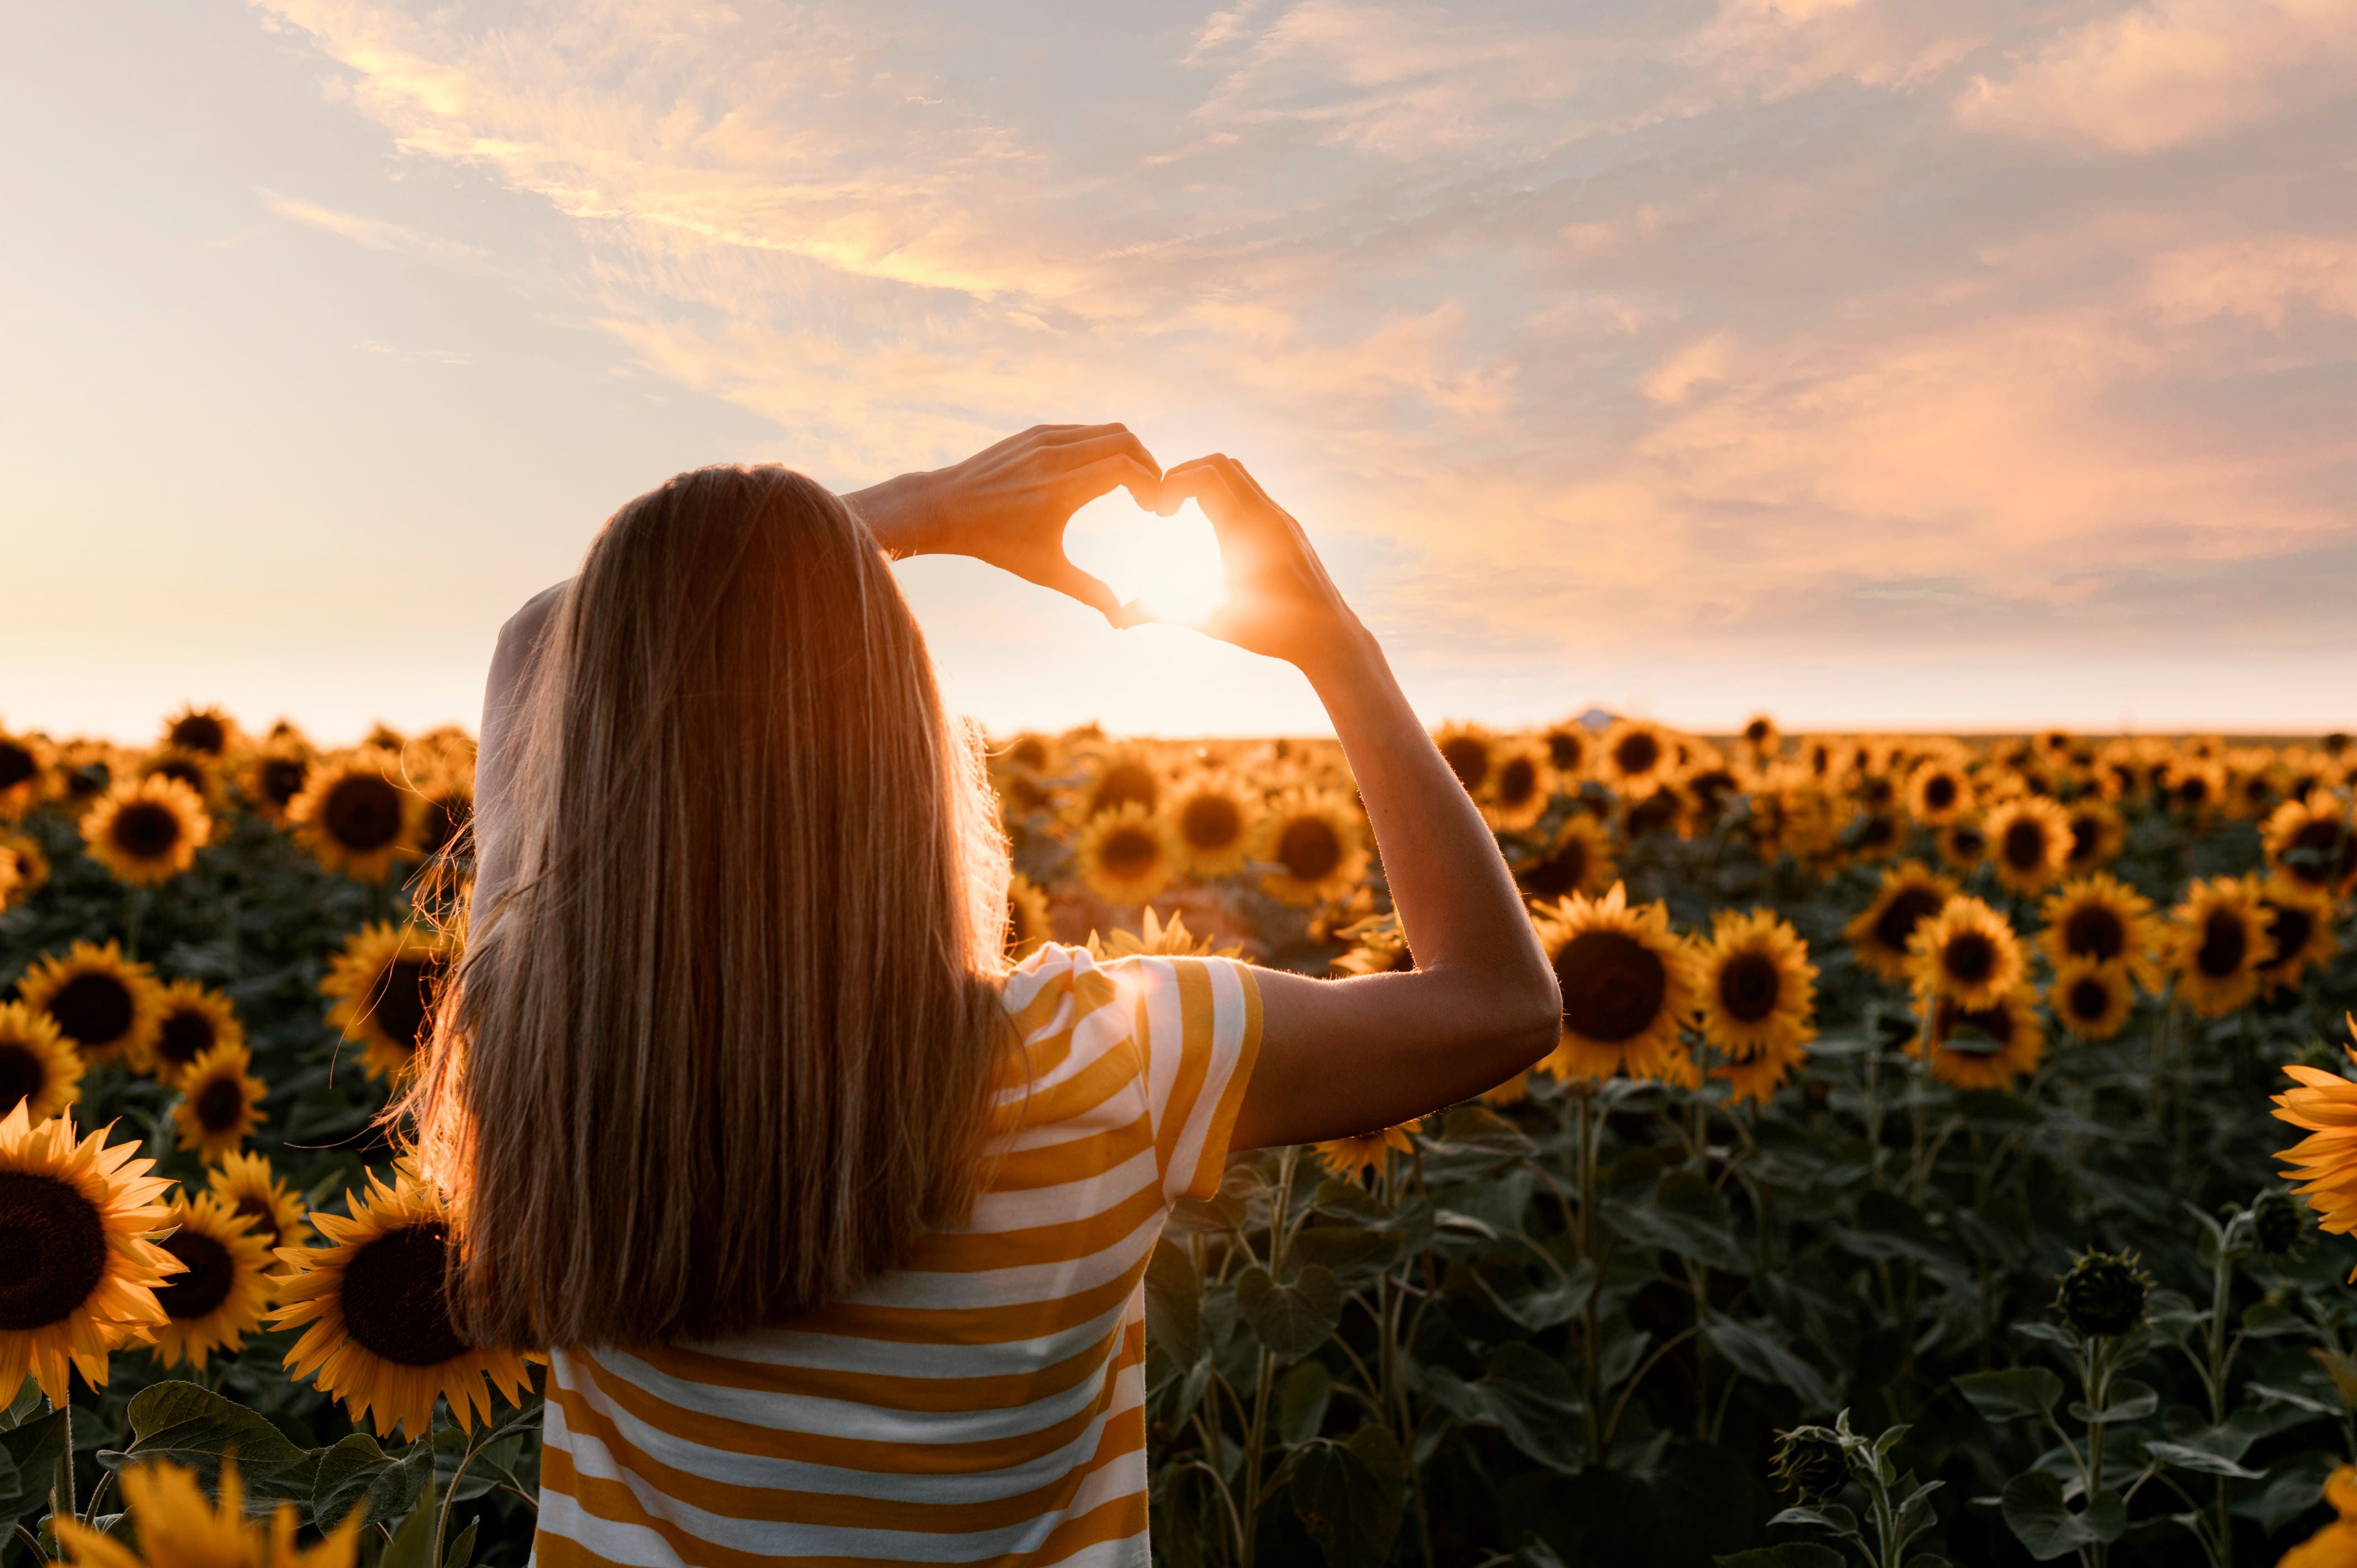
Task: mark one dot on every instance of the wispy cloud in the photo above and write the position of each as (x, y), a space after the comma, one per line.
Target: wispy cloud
(379, 234)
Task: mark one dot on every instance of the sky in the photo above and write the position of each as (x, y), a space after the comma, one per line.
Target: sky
(1887, 364)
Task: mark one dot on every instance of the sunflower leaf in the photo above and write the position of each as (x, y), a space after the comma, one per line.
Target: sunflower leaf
(1351, 1494)
(33, 1449)
(2012, 1394)
(194, 1426)
(2035, 1512)
(1291, 1319)
(462, 1551)
(357, 1473)
(412, 1545)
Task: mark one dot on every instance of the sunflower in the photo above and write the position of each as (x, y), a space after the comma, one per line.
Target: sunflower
(1126, 854)
(2029, 839)
(226, 1286)
(180, 1528)
(147, 831)
(2104, 921)
(1160, 941)
(207, 731)
(106, 1005)
(1966, 954)
(1911, 893)
(272, 775)
(357, 815)
(2195, 785)
(82, 1275)
(2218, 942)
(84, 770)
(449, 796)
(1030, 751)
(1759, 988)
(221, 1103)
(200, 773)
(253, 1192)
(1635, 754)
(1520, 781)
(195, 1020)
(1874, 834)
(38, 1067)
(2312, 843)
(1470, 752)
(1570, 750)
(1757, 1078)
(1987, 1047)
(378, 1332)
(2097, 834)
(1314, 841)
(27, 868)
(1213, 814)
(2326, 1160)
(2256, 782)
(1762, 737)
(382, 985)
(1125, 776)
(2092, 999)
(1660, 810)
(1626, 981)
(25, 777)
(1380, 948)
(1963, 845)
(2299, 927)
(1027, 926)
(1938, 792)
(2336, 1543)
(1711, 789)
(1362, 1153)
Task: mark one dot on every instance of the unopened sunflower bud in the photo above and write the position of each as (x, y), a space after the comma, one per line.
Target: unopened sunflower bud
(2102, 1294)
(1810, 1462)
(2276, 1223)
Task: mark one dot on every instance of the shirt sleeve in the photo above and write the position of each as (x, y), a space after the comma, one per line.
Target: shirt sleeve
(1196, 1030)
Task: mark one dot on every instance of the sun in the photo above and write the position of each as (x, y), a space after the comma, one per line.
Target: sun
(1170, 567)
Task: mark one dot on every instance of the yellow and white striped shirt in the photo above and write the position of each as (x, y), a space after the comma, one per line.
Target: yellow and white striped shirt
(983, 1405)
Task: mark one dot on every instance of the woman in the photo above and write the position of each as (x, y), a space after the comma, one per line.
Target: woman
(837, 1225)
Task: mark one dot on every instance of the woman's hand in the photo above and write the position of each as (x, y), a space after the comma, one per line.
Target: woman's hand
(1008, 504)
(1280, 603)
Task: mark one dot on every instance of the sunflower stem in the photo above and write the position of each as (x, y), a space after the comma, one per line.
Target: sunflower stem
(62, 1497)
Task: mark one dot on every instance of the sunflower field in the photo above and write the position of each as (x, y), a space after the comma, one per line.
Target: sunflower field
(1930, 1167)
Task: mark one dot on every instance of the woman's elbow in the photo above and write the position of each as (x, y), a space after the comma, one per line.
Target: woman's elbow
(1531, 1019)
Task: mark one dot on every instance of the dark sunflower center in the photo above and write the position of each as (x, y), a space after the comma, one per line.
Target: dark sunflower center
(1518, 781)
(1655, 812)
(187, 1034)
(180, 770)
(1122, 783)
(1966, 841)
(1210, 821)
(404, 998)
(1757, 732)
(253, 1206)
(1710, 787)
(1970, 957)
(2086, 838)
(281, 778)
(1748, 986)
(1637, 753)
(23, 1074)
(1940, 791)
(219, 1105)
(206, 1284)
(445, 817)
(2025, 844)
(2322, 840)
(17, 764)
(56, 1247)
(92, 1010)
(1907, 909)
(145, 830)
(1561, 871)
(1997, 1023)
(1566, 750)
(363, 812)
(2089, 1000)
(1466, 757)
(2193, 792)
(393, 1299)
(2291, 925)
(1877, 832)
(201, 732)
(2225, 944)
(1309, 849)
(1613, 985)
(2095, 931)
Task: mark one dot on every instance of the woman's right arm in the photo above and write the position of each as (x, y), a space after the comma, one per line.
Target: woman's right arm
(1339, 1057)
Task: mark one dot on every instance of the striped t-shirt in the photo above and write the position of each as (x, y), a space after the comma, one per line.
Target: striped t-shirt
(985, 1403)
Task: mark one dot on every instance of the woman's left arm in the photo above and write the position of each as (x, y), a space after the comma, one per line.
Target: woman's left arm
(1008, 504)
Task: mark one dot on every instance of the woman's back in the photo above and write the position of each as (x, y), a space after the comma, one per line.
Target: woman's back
(985, 1402)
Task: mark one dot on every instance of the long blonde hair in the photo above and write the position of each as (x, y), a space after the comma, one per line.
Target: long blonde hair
(724, 1050)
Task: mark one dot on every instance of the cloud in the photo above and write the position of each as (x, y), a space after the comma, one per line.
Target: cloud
(378, 234)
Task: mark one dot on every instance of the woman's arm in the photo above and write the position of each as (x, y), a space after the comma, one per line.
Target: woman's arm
(1339, 1057)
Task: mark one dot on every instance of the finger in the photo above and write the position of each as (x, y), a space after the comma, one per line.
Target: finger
(1105, 444)
(1117, 469)
(1205, 481)
(1064, 434)
(1069, 580)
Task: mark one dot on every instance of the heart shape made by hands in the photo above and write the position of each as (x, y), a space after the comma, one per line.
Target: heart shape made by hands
(1162, 568)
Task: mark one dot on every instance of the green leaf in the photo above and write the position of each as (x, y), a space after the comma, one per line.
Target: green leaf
(1301, 1404)
(1293, 1320)
(1685, 1215)
(462, 1551)
(1350, 1495)
(2013, 1394)
(412, 1545)
(1791, 1555)
(1757, 1355)
(24, 1407)
(357, 1472)
(2035, 1512)
(2186, 1457)
(2131, 1400)
(1824, 1516)
(33, 1449)
(2343, 1373)
(1174, 1302)
(197, 1428)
